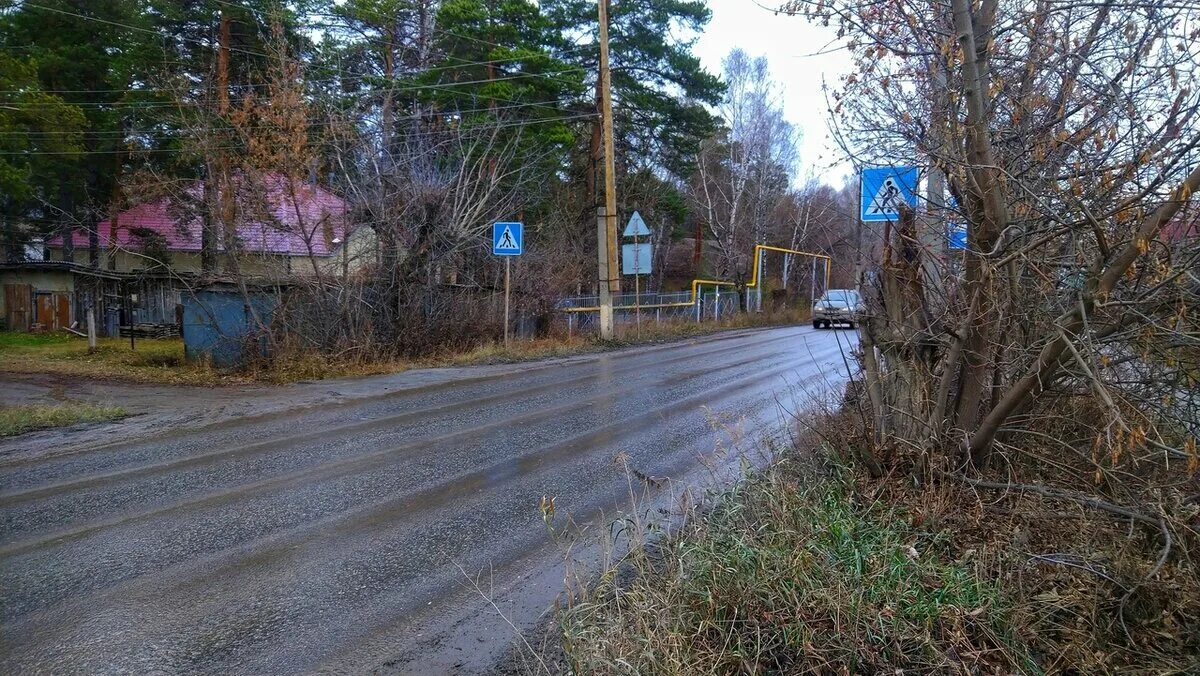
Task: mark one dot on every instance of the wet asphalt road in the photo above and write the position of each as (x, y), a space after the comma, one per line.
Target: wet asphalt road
(332, 539)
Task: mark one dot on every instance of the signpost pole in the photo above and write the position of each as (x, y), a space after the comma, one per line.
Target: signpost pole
(812, 302)
(507, 287)
(508, 240)
(637, 287)
(762, 270)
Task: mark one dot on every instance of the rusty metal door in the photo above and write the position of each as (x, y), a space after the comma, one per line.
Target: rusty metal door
(45, 311)
(63, 315)
(18, 300)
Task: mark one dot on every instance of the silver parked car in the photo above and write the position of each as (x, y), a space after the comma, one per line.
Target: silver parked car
(837, 306)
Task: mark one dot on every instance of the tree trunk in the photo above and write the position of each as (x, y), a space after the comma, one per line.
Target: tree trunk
(986, 206)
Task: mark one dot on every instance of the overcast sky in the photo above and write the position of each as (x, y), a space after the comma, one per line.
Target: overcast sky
(789, 44)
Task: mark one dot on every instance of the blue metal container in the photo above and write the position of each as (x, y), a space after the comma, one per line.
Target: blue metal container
(219, 325)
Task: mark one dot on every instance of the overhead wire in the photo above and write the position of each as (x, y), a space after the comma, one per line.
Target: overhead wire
(371, 132)
(394, 87)
(402, 88)
(269, 56)
(450, 112)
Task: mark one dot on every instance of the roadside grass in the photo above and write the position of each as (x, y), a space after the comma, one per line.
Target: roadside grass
(629, 335)
(791, 573)
(155, 360)
(161, 361)
(16, 420)
(813, 566)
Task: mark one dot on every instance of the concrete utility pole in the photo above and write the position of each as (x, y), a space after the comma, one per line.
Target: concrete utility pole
(933, 229)
(606, 216)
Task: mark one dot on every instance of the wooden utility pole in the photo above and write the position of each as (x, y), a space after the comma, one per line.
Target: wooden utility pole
(224, 38)
(932, 228)
(606, 216)
(222, 186)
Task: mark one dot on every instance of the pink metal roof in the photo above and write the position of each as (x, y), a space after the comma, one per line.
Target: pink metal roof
(1180, 229)
(302, 226)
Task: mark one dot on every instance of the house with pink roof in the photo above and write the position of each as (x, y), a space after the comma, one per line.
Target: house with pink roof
(281, 230)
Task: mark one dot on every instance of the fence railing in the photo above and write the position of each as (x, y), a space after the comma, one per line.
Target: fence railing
(650, 306)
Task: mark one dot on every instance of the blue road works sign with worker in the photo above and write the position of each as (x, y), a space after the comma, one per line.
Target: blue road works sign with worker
(508, 239)
(884, 189)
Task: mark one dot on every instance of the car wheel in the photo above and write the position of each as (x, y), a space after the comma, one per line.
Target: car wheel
(816, 323)
(851, 325)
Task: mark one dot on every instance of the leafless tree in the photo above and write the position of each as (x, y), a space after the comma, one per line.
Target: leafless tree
(744, 173)
(1066, 134)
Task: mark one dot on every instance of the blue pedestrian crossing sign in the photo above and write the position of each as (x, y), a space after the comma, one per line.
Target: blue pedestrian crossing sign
(884, 189)
(956, 236)
(508, 239)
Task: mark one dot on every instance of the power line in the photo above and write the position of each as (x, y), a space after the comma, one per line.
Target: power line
(386, 44)
(138, 28)
(151, 105)
(400, 136)
(232, 49)
(451, 112)
(401, 88)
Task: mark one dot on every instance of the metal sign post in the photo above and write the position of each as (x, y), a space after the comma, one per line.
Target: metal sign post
(507, 292)
(637, 295)
(634, 264)
(508, 240)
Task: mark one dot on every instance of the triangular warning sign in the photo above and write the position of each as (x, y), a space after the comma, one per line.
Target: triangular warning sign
(636, 227)
(507, 241)
(887, 199)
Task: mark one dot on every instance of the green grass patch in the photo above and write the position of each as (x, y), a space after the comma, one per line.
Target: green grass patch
(16, 420)
(10, 340)
(793, 575)
(151, 361)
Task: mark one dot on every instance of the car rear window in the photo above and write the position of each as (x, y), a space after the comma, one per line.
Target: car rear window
(841, 296)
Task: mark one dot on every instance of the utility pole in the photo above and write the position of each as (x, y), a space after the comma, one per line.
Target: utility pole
(932, 233)
(606, 216)
(224, 187)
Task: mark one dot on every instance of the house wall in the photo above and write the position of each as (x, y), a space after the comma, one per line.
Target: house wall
(362, 251)
(40, 280)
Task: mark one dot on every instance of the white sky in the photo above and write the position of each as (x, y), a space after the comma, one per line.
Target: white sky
(788, 43)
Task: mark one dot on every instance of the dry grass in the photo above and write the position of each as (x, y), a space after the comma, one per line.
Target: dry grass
(1093, 591)
(841, 573)
(1078, 580)
(16, 420)
(154, 360)
(162, 360)
(790, 573)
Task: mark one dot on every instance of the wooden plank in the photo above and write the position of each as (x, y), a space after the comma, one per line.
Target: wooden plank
(63, 311)
(44, 311)
(18, 302)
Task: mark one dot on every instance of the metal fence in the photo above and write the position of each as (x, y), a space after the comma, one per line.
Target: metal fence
(649, 307)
